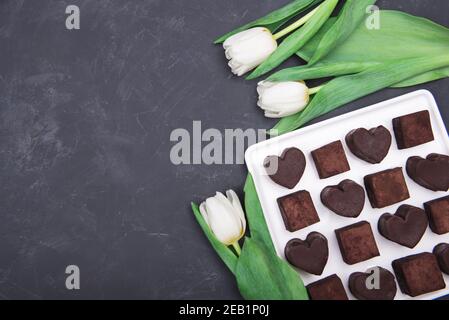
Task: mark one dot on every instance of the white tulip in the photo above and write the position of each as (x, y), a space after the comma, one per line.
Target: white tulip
(281, 99)
(247, 49)
(225, 217)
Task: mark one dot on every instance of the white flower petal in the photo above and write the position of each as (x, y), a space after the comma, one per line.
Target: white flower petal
(249, 48)
(225, 216)
(203, 211)
(224, 201)
(224, 224)
(280, 99)
(234, 200)
(273, 115)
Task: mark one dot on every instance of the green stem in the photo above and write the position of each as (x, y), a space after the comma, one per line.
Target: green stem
(237, 248)
(315, 90)
(295, 25)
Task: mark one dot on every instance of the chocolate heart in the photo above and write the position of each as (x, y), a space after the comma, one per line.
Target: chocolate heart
(441, 251)
(431, 173)
(406, 227)
(346, 199)
(371, 146)
(310, 255)
(363, 290)
(287, 169)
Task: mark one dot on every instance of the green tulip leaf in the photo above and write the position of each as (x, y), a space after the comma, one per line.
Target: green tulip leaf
(348, 88)
(348, 20)
(401, 36)
(255, 217)
(295, 41)
(423, 78)
(275, 19)
(262, 275)
(320, 70)
(228, 257)
(259, 260)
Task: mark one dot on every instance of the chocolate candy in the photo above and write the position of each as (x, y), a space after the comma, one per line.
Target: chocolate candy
(438, 213)
(330, 288)
(441, 251)
(418, 274)
(330, 160)
(357, 242)
(298, 210)
(346, 199)
(405, 227)
(371, 146)
(431, 173)
(413, 129)
(309, 255)
(363, 288)
(386, 188)
(287, 169)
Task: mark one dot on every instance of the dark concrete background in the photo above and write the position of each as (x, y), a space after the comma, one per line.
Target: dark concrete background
(85, 176)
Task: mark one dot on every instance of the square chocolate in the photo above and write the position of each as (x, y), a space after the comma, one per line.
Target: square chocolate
(413, 129)
(357, 242)
(438, 212)
(330, 288)
(418, 274)
(330, 160)
(386, 188)
(298, 210)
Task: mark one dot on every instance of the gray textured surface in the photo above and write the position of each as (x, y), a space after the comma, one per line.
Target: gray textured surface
(85, 118)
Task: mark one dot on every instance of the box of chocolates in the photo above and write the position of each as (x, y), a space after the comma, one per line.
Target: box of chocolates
(359, 204)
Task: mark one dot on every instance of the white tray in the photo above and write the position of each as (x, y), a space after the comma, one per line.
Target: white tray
(317, 135)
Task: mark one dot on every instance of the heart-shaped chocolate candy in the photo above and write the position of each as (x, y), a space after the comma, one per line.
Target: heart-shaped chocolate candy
(369, 145)
(406, 227)
(287, 169)
(441, 251)
(309, 255)
(346, 199)
(431, 173)
(363, 288)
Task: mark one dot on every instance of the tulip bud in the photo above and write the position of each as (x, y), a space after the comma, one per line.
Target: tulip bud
(281, 99)
(225, 217)
(247, 49)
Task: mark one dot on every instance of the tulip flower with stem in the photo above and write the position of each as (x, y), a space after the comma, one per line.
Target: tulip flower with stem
(225, 218)
(258, 47)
